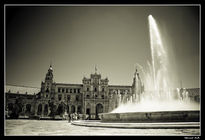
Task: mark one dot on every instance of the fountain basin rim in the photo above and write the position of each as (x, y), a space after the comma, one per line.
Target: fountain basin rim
(121, 125)
(160, 116)
(151, 112)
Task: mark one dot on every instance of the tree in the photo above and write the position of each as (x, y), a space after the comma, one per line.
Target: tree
(52, 108)
(61, 108)
(17, 109)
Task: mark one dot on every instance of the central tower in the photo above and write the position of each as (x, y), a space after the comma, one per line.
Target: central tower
(95, 93)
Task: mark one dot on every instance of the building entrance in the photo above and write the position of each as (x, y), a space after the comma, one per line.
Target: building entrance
(99, 109)
(88, 113)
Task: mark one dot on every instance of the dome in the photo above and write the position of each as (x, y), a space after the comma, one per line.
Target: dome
(50, 68)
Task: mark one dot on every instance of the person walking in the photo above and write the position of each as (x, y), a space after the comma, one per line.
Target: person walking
(69, 118)
(73, 116)
(76, 116)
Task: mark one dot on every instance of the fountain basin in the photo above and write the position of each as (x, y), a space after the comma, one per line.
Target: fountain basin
(159, 116)
(127, 125)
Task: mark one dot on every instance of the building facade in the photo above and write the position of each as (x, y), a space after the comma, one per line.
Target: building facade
(88, 99)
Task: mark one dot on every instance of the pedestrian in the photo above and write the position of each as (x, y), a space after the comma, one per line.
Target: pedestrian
(87, 117)
(73, 116)
(69, 118)
(76, 116)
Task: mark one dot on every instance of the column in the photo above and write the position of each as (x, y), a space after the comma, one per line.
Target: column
(42, 113)
(35, 109)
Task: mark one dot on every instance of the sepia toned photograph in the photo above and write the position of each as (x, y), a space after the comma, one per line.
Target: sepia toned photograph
(102, 69)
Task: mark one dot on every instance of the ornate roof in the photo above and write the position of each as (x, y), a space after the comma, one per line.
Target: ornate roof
(119, 86)
(21, 89)
(67, 84)
(50, 68)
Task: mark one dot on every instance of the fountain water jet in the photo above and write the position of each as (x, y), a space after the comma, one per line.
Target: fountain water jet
(157, 82)
(158, 99)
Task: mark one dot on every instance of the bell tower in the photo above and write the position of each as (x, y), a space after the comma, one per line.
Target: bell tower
(49, 75)
(46, 86)
(49, 79)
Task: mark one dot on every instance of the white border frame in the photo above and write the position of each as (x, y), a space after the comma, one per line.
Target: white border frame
(100, 5)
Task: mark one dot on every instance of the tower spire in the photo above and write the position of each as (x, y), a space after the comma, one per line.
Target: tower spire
(95, 69)
(50, 63)
(50, 68)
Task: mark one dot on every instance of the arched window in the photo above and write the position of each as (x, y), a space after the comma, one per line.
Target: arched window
(99, 109)
(72, 109)
(47, 90)
(68, 97)
(10, 106)
(28, 108)
(79, 109)
(46, 109)
(95, 89)
(39, 109)
(77, 98)
(59, 97)
(60, 109)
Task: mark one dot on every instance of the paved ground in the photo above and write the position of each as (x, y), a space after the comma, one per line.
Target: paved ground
(49, 127)
(158, 125)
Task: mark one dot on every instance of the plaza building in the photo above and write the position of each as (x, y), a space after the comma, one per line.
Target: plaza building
(56, 100)
(90, 98)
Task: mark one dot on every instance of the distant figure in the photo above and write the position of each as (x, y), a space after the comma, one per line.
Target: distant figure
(76, 116)
(87, 117)
(69, 117)
(73, 116)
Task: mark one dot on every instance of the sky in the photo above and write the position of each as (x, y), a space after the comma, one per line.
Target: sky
(75, 39)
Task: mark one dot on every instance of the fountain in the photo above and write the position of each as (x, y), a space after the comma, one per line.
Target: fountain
(158, 102)
(154, 104)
